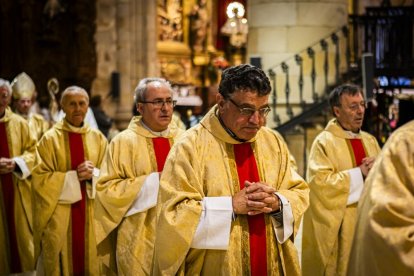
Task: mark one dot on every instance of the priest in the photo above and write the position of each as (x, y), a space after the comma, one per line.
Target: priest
(383, 243)
(127, 190)
(17, 151)
(23, 92)
(69, 158)
(339, 161)
(230, 202)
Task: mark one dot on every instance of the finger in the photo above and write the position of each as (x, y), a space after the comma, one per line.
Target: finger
(256, 204)
(247, 183)
(252, 187)
(253, 213)
(270, 200)
(81, 170)
(257, 196)
(260, 186)
(259, 211)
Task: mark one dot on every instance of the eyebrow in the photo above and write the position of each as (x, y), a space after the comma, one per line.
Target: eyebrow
(157, 99)
(252, 106)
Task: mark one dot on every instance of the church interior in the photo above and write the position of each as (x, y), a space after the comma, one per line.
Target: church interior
(305, 47)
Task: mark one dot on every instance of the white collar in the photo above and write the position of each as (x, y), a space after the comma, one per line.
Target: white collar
(163, 133)
(353, 134)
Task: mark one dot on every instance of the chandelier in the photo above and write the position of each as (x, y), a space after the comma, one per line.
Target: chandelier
(236, 25)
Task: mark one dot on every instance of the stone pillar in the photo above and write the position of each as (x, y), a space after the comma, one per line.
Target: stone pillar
(126, 43)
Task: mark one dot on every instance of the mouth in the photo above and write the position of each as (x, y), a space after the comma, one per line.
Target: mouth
(251, 129)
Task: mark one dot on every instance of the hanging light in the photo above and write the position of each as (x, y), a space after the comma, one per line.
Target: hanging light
(236, 25)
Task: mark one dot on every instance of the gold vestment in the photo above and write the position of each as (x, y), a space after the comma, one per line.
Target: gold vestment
(22, 144)
(328, 224)
(202, 164)
(38, 125)
(129, 160)
(383, 243)
(52, 219)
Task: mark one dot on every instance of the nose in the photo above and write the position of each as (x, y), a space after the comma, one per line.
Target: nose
(361, 109)
(255, 118)
(165, 106)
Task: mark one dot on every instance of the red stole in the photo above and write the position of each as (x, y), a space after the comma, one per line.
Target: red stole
(358, 149)
(161, 148)
(7, 187)
(247, 170)
(77, 156)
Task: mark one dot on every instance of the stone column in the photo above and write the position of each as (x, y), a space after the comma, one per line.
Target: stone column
(125, 43)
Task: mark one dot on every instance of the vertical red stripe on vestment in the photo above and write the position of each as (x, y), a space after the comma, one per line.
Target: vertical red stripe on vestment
(161, 148)
(7, 187)
(77, 157)
(359, 152)
(247, 170)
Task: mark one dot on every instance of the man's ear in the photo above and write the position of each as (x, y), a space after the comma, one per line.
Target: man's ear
(336, 111)
(139, 107)
(220, 100)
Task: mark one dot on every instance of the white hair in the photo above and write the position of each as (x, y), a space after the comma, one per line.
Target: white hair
(71, 89)
(6, 84)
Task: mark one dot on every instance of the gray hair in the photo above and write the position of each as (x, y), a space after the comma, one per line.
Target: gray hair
(6, 84)
(72, 89)
(142, 87)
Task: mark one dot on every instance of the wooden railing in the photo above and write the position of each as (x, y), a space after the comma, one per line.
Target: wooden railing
(303, 70)
(303, 81)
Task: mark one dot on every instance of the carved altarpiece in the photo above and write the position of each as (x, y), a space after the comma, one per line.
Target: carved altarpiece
(184, 45)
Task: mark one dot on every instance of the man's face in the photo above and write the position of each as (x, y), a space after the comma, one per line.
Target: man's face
(156, 116)
(75, 105)
(350, 113)
(23, 105)
(4, 99)
(244, 126)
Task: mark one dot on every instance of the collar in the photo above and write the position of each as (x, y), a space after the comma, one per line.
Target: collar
(163, 133)
(231, 133)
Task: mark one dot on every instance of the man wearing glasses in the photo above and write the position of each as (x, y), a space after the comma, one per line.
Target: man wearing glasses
(340, 159)
(128, 187)
(230, 202)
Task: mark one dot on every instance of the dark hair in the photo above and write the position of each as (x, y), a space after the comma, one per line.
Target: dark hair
(347, 88)
(242, 78)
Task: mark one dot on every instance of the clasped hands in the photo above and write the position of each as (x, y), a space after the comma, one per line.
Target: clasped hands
(7, 165)
(366, 165)
(85, 170)
(255, 198)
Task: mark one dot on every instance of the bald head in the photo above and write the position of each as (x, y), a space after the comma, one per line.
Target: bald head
(75, 103)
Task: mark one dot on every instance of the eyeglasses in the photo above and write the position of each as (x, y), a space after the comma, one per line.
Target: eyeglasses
(161, 103)
(247, 111)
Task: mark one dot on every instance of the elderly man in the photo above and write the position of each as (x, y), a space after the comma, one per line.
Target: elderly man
(230, 202)
(23, 92)
(340, 159)
(128, 187)
(63, 187)
(17, 148)
(383, 243)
